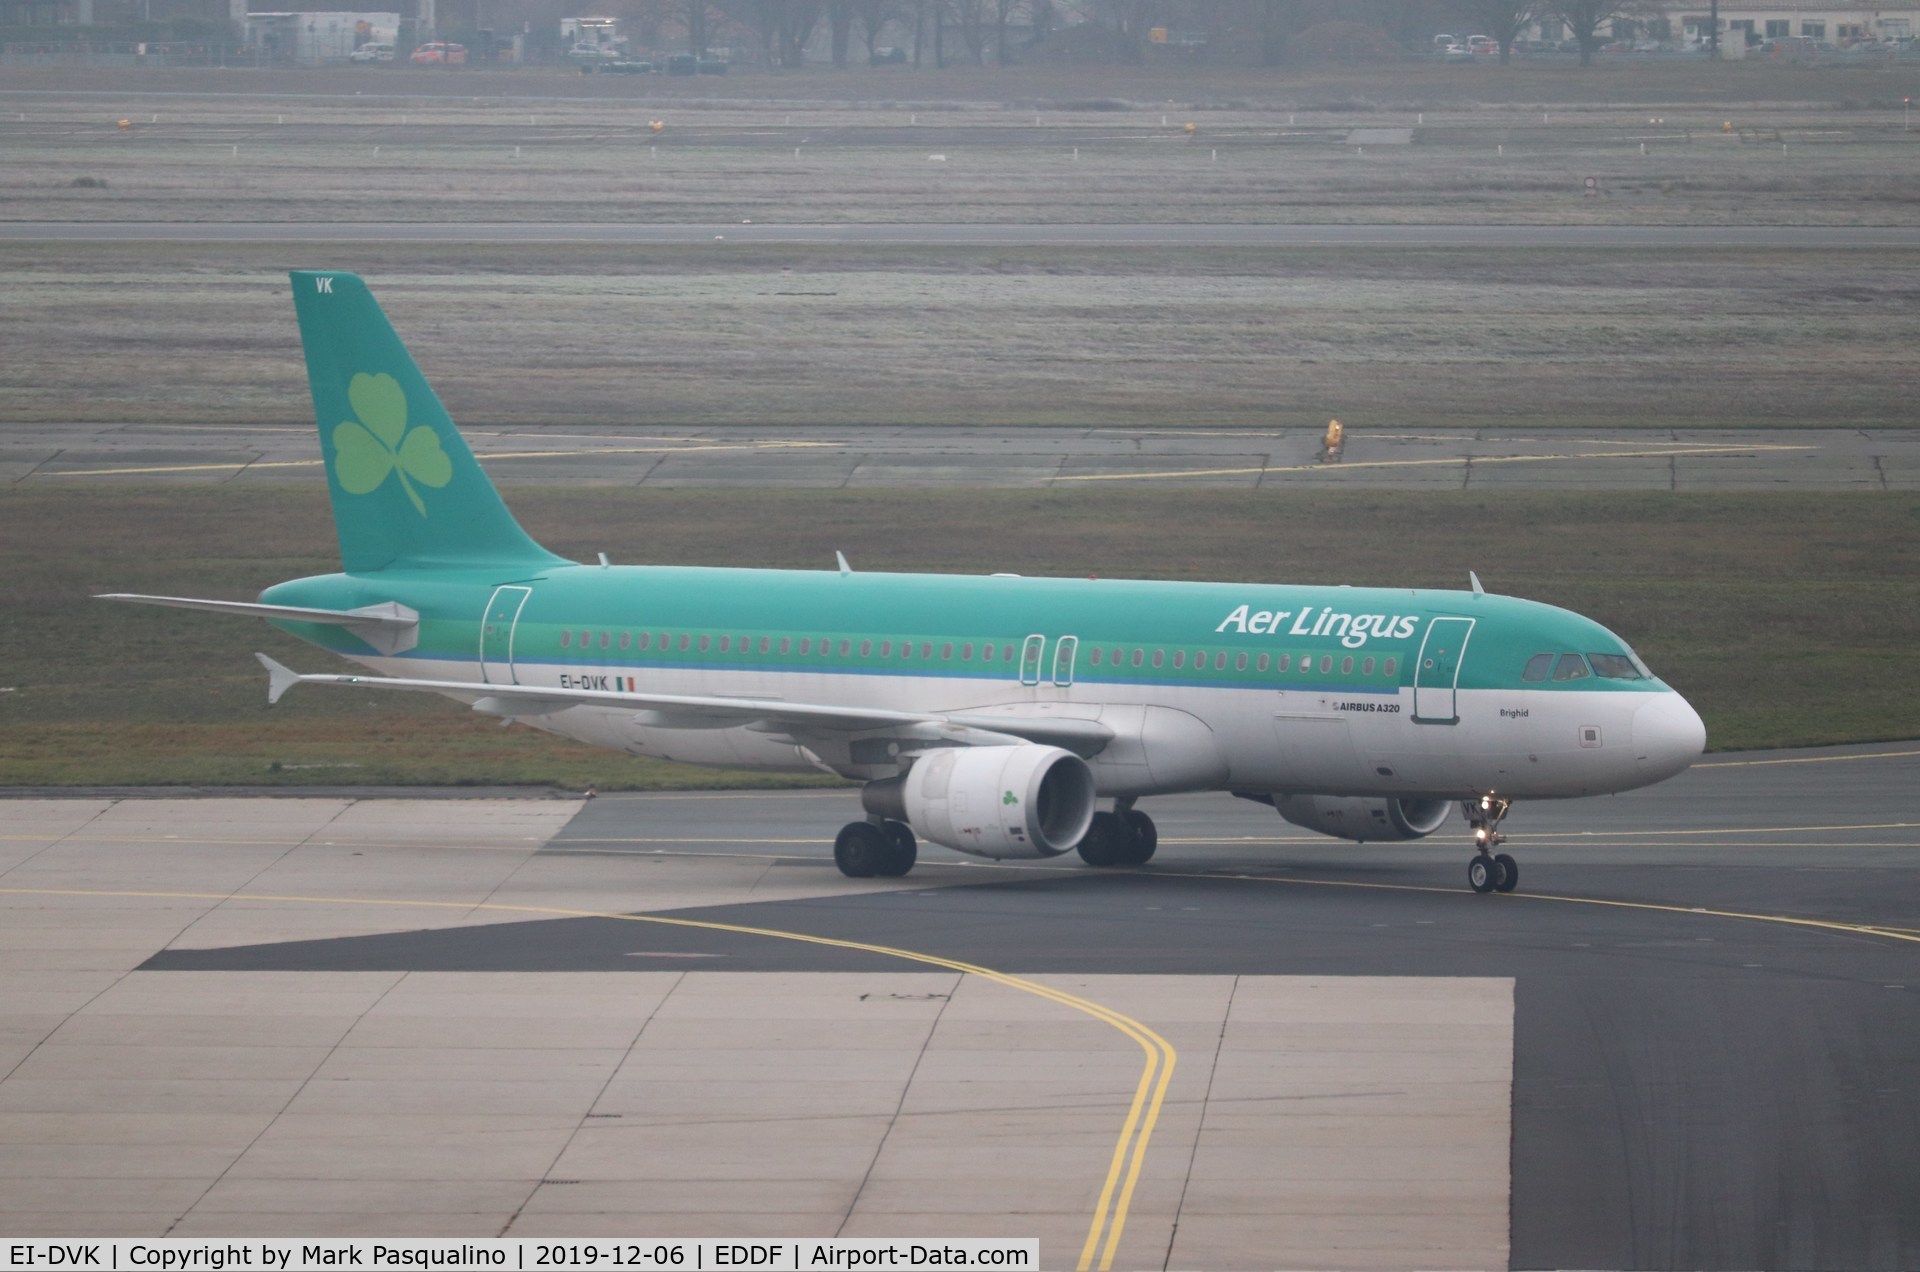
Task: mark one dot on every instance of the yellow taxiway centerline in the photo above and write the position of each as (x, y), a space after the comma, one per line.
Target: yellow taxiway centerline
(549, 454)
(1129, 1152)
(1430, 463)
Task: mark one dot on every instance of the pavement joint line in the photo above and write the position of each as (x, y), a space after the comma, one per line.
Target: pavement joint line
(1345, 466)
(1143, 1113)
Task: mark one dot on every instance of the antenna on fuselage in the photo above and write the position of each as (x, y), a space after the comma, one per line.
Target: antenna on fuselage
(1475, 580)
(841, 557)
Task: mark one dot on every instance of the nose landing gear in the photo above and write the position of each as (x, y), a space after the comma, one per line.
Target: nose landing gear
(1490, 871)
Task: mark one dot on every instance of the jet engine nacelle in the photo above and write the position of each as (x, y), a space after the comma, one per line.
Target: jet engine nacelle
(992, 801)
(1350, 817)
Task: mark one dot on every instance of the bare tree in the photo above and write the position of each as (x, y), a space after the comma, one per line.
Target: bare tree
(970, 19)
(840, 15)
(1583, 18)
(1504, 20)
(1003, 14)
(874, 16)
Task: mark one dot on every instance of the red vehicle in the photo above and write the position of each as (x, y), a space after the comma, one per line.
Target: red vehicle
(438, 54)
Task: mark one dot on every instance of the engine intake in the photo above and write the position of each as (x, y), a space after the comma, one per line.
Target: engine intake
(992, 801)
(1349, 817)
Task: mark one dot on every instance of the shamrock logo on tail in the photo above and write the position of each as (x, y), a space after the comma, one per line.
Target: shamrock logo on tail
(366, 450)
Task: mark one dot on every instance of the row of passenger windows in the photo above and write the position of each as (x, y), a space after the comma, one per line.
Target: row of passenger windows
(987, 652)
(1576, 667)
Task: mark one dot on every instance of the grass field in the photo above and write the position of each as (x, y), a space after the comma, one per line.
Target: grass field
(1787, 620)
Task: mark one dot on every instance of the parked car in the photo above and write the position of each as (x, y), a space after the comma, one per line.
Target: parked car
(710, 66)
(593, 53)
(887, 55)
(1482, 44)
(440, 54)
(627, 66)
(372, 53)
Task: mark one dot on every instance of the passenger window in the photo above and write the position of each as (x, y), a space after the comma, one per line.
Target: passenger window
(663, 641)
(1006, 653)
(606, 640)
(1094, 656)
(686, 642)
(966, 652)
(1220, 660)
(946, 651)
(866, 648)
(886, 649)
(1266, 660)
(986, 652)
(806, 646)
(766, 644)
(726, 643)
(626, 640)
(846, 647)
(1159, 657)
(646, 640)
(906, 649)
(1346, 665)
(566, 638)
(1537, 668)
(826, 646)
(1326, 663)
(1392, 668)
(1366, 667)
(926, 649)
(1286, 662)
(1179, 659)
(1139, 656)
(1572, 667)
(786, 644)
(706, 643)
(1239, 662)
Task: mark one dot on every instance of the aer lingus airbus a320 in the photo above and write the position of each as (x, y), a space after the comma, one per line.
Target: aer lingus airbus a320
(990, 714)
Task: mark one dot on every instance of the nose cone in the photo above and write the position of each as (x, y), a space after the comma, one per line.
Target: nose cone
(1667, 736)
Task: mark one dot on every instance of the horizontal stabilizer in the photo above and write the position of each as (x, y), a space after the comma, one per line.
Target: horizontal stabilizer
(390, 628)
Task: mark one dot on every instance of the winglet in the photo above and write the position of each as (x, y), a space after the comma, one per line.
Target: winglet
(279, 678)
(1477, 589)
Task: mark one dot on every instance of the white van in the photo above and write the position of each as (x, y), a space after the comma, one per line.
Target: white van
(372, 53)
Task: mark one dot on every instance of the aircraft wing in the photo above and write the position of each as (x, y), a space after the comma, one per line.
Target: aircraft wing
(694, 711)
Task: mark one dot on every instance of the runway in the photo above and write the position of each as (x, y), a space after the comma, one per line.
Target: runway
(852, 457)
(1691, 1040)
(1503, 237)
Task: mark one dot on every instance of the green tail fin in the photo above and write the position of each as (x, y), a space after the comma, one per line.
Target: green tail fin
(407, 493)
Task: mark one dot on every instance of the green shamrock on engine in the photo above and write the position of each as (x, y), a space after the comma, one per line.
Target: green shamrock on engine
(366, 450)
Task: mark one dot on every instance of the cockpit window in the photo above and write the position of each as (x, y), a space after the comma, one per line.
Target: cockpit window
(1572, 667)
(1537, 667)
(1615, 667)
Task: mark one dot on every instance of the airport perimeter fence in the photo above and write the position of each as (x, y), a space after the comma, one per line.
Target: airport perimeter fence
(171, 53)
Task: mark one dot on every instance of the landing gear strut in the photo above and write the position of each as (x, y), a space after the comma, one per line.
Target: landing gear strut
(1123, 837)
(864, 849)
(1490, 871)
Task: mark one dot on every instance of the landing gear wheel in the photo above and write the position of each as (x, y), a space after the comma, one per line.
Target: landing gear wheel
(1145, 837)
(861, 850)
(902, 850)
(1480, 873)
(1509, 872)
(1106, 841)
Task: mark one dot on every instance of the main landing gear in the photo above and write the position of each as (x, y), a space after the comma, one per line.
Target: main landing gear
(864, 849)
(1490, 871)
(1123, 837)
